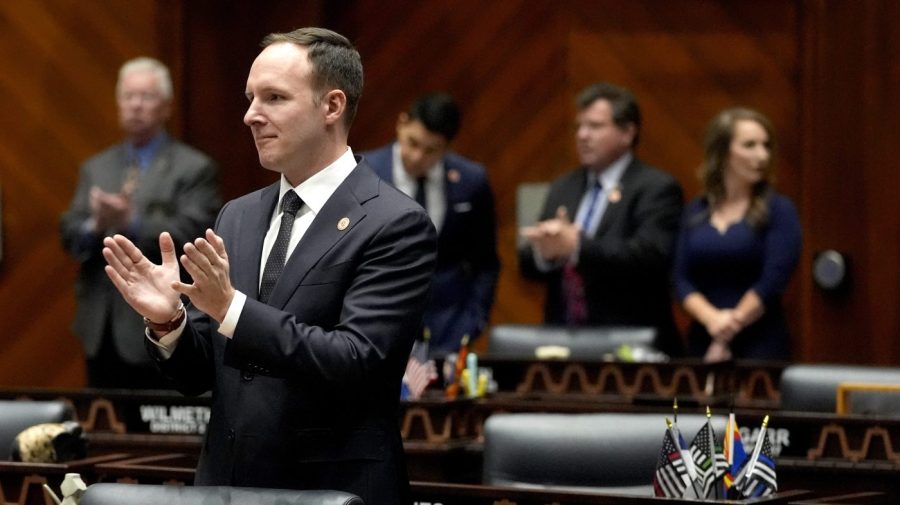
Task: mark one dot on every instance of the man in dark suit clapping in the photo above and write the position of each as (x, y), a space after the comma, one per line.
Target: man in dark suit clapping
(604, 243)
(305, 299)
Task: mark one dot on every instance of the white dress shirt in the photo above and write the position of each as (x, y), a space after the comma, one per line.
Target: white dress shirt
(435, 196)
(314, 192)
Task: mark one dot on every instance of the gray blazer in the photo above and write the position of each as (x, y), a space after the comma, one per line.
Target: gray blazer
(178, 193)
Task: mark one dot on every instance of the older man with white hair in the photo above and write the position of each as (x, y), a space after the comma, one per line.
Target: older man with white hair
(148, 183)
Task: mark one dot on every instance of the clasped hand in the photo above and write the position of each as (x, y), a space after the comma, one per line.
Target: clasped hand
(110, 211)
(554, 239)
(722, 326)
(153, 290)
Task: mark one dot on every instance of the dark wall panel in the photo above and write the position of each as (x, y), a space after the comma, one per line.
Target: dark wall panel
(60, 61)
(850, 102)
(826, 72)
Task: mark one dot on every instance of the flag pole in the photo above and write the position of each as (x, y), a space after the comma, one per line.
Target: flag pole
(712, 445)
(728, 440)
(759, 443)
(689, 466)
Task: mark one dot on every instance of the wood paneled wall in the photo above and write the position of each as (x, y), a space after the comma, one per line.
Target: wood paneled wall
(59, 65)
(825, 72)
(850, 97)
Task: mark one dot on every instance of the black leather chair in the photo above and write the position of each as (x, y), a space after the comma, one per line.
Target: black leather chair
(522, 341)
(612, 453)
(813, 388)
(16, 415)
(141, 494)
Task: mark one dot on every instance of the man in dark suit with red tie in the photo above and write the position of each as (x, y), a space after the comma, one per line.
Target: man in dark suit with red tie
(604, 243)
(457, 196)
(305, 300)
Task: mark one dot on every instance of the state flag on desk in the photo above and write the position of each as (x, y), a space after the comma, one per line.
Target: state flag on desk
(733, 448)
(671, 477)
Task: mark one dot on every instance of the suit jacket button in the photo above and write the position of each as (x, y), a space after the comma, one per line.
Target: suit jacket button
(230, 435)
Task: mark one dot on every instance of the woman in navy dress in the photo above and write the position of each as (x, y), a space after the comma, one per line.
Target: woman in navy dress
(738, 246)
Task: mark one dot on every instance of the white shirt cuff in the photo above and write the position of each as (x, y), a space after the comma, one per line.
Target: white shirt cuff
(234, 313)
(167, 343)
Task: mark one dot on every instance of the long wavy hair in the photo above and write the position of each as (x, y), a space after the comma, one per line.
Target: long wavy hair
(717, 149)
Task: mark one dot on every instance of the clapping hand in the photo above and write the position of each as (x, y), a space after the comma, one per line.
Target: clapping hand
(207, 262)
(153, 290)
(110, 211)
(554, 239)
(146, 286)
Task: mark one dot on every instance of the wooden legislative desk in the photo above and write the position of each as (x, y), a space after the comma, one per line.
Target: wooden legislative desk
(443, 437)
(430, 493)
(744, 384)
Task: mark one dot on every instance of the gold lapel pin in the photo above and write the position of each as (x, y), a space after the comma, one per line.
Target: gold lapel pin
(453, 175)
(343, 223)
(615, 194)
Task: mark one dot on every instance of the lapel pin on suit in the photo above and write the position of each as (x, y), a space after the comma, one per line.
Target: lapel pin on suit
(615, 194)
(343, 223)
(453, 175)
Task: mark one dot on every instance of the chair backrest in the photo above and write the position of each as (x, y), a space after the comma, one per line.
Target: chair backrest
(813, 388)
(870, 399)
(16, 415)
(140, 494)
(611, 452)
(524, 341)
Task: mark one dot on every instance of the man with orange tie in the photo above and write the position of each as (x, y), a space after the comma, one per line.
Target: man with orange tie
(604, 241)
(145, 184)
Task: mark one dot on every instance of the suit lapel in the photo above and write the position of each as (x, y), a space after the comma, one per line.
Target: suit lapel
(112, 175)
(571, 197)
(452, 186)
(248, 250)
(158, 171)
(325, 230)
(614, 209)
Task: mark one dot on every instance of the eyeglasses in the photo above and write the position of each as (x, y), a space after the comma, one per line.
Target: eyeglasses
(139, 96)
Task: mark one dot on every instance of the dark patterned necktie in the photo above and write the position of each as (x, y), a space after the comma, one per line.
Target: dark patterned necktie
(290, 204)
(420, 192)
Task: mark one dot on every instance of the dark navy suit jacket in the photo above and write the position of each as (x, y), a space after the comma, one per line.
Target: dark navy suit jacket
(467, 264)
(305, 394)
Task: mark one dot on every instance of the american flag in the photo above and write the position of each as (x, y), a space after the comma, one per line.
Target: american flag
(709, 461)
(420, 372)
(671, 477)
(758, 477)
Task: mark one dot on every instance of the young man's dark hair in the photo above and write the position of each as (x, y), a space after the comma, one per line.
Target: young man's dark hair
(334, 59)
(438, 112)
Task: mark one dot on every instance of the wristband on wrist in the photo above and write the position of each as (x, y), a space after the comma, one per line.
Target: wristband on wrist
(169, 325)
